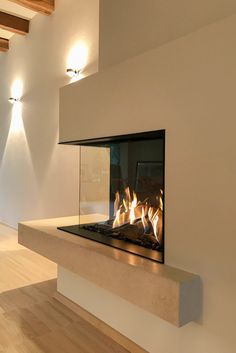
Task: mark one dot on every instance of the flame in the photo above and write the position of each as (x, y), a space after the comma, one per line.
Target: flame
(127, 200)
(127, 193)
(161, 201)
(125, 211)
(117, 221)
(144, 220)
(125, 206)
(153, 218)
(130, 211)
(116, 203)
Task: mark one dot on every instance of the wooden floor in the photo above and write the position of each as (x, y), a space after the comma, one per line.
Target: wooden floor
(31, 321)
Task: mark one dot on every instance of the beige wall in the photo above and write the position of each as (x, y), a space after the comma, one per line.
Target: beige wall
(38, 178)
(187, 87)
(130, 27)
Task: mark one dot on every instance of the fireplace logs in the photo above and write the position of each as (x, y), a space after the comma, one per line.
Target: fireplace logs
(134, 221)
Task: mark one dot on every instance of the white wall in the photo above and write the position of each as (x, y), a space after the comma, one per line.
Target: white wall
(187, 87)
(38, 178)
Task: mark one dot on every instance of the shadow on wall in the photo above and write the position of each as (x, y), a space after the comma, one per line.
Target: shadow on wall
(41, 127)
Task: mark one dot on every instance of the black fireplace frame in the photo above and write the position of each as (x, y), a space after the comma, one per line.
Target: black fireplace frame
(130, 248)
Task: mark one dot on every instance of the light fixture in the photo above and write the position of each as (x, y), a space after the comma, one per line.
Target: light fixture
(77, 60)
(13, 100)
(72, 72)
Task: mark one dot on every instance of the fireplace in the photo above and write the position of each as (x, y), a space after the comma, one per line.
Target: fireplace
(134, 173)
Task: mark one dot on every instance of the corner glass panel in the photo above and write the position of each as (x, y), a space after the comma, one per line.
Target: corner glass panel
(94, 188)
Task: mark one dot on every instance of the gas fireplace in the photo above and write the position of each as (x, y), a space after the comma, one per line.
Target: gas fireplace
(132, 169)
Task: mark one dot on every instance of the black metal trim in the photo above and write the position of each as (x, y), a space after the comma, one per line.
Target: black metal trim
(148, 135)
(164, 197)
(119, 244)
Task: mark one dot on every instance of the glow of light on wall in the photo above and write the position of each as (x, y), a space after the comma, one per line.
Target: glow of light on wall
(17, 89)
(17, 125)
(77, 58)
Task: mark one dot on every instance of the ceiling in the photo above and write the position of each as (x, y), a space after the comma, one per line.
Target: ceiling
(17, 10)
(127, 27)
(15, 16)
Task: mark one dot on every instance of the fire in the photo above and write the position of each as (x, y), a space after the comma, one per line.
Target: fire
(144, 220)
(117, 222)
(153, 218)
(132, 211)
(161, 201)
(116, 203)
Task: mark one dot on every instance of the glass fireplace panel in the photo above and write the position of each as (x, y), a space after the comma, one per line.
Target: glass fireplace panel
(94, 187)
(122, 188)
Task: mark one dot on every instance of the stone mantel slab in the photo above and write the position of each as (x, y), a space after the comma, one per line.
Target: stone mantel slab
(170, 293)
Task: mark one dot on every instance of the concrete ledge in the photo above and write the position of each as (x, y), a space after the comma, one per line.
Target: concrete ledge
(170, 293)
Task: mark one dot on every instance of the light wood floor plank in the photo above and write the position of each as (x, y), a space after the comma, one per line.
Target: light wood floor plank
(31, 321)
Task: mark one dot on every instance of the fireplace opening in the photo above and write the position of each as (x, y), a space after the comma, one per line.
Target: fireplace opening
(133, 173)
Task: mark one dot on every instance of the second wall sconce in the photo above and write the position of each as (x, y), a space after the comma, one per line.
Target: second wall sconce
(13, 100)
(72, 72)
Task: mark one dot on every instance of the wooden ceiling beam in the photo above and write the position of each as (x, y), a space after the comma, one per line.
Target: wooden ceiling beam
(13, 23)
(45, 7)
(4, 44)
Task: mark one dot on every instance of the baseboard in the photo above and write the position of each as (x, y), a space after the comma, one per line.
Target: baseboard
(100, 325)
(8, 225)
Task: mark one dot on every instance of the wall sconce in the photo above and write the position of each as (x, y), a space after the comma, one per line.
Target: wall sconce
(72, 72)
(13, 100)
(77, 60)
